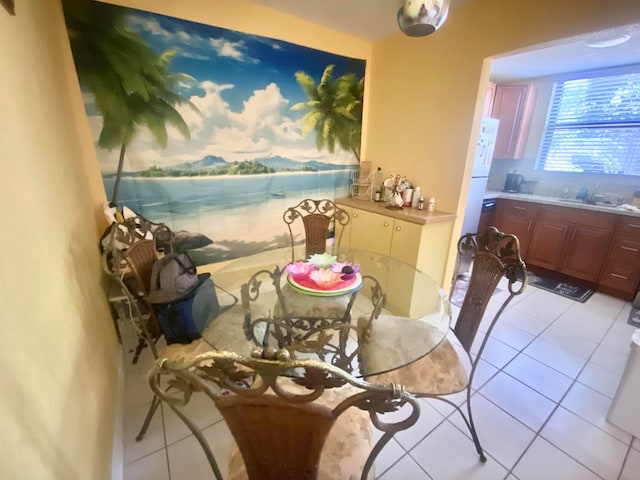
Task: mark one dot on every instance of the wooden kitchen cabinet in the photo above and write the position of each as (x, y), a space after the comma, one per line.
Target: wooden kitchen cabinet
(516, 218)
(513, 105)
(571, 241)
(621, 270)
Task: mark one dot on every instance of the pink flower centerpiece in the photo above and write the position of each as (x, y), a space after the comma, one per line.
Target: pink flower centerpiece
(324, 278)
(346, 269)
(300, 270)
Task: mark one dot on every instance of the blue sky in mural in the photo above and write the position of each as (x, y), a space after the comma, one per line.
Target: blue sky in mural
(245, 88)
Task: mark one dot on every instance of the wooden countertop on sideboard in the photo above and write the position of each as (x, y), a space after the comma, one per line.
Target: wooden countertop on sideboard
(421, 217)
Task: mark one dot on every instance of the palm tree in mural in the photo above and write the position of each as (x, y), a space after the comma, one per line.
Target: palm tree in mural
(155, 110)
(133, 86)
(334, 110)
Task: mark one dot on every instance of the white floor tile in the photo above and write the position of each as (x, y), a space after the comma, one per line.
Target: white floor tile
(429, 419)
(435, 454)
(569, 342)
(599, 379)
(496, 353)
(631, 469)
(389, 455)
(153, 439)
(405, 469)
(201, 410)
(555, 357)
(512, 335)
(593, 407)
(543, 305)
(187, 460)
(636, 443)
(592, 447)
(520, 401)
(483, 374)
(540, 377)
(612, 359)
(501, 436)
(153, 466)
(524, 321)
(544, 461)
(586, 323)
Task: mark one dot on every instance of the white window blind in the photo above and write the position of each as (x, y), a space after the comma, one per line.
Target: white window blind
(593, 125)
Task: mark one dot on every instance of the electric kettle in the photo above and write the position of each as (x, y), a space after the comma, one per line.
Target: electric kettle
(513, 182)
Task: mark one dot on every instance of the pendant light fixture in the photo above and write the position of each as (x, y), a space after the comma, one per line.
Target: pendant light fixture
(419, 18)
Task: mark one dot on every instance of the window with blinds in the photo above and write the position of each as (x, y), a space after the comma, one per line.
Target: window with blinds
(593, 125)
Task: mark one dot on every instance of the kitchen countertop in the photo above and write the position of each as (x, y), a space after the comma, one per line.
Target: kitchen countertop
(561, 202)
(409, 214)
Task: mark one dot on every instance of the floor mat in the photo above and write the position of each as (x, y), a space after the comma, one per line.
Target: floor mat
(564, 289)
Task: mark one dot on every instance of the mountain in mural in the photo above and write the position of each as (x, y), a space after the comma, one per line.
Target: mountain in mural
(207, 163)
(278, 163)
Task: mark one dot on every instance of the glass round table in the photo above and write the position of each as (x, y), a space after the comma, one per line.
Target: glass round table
(375, 316)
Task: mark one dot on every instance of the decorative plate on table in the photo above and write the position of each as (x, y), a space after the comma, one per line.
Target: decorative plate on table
(308, 286)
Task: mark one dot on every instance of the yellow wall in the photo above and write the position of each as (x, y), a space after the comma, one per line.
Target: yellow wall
(423, 91)
(58, 349)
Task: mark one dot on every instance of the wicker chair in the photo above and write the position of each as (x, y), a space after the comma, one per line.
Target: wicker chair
(450, 368)
(290, 419)
(318, 217)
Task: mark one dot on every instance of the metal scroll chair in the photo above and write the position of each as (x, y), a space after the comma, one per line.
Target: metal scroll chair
(290, 419)
(450, 367)
(317, 216)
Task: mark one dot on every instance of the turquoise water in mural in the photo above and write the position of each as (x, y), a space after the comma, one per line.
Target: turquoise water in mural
(242, 214)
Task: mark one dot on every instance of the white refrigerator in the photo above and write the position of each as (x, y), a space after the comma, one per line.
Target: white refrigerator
(479, 177)
(480, 174)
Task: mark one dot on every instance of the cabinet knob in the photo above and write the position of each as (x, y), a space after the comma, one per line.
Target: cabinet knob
(398, 228)
(355, 215)
(386, 224)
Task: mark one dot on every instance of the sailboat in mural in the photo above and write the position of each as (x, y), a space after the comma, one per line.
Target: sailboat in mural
(236, 130)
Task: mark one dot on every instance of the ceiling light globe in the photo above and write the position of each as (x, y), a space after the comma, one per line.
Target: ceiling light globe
(418, 18)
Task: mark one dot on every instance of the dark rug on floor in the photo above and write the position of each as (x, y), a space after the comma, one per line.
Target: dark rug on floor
(457, 297)
(634, 317)
(564, 289)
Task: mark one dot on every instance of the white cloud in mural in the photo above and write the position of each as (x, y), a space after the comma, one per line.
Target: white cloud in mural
(227, 48)
(262, 128)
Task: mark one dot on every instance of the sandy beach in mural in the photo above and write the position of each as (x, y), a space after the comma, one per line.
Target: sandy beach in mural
(241, 214)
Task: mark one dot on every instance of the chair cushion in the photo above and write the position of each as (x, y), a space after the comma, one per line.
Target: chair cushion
(346, 449)
(441, 372)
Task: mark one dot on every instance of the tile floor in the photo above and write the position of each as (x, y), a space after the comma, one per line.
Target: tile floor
(542, 392)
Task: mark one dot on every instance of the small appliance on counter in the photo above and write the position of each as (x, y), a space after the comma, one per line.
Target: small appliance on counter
(512, 182)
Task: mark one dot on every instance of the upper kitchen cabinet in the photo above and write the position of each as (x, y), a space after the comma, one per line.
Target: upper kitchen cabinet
(513, 106)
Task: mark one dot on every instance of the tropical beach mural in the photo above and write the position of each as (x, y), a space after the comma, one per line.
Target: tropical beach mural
(211, 130)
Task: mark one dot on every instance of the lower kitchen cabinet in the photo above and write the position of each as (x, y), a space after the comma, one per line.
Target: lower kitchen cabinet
(516, 218)
(621, 271)
(571, 241)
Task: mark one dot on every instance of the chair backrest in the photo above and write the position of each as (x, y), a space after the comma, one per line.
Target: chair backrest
(140, 258)
(495, 254)
(317, 217)
(280, 411)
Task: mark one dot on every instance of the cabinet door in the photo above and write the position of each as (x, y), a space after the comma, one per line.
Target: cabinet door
(405, 241)
(371, 231)
(585, 253)
(513, 106)
(546, 244)
(517, 218)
